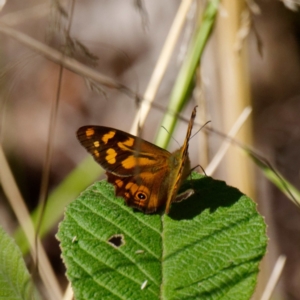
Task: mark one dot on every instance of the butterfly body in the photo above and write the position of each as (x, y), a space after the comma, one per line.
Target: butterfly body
(145, 175)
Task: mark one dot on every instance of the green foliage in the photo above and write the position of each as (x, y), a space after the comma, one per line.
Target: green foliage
(15, 281)
(208, 247)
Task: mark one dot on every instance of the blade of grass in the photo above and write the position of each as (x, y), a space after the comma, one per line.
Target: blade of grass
(17, 203)
(185, 78)
(276, 178)
(272, 174)
(162, 64)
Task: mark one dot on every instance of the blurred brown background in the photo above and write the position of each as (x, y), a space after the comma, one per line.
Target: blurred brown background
(127, 41)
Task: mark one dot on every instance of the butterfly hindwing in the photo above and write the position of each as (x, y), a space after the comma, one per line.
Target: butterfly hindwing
(142, 191)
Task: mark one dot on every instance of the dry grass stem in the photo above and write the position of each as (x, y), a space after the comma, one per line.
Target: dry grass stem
(21, 16)
(16, 201)
(161, 64)
(69, 63)
(274, 277)
(68, 293)
(225, 145)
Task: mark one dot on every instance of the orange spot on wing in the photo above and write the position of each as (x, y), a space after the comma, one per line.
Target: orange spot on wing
(148, 176)
(128, 185)
(111, 156)
(119, 183)
(106, 137)
(96, 153)
(89, 132)
(132, 162)
(128, 142)
(132, 187)
(96, 144)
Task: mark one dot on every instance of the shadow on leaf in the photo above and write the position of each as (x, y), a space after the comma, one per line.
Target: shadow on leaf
(209, 194)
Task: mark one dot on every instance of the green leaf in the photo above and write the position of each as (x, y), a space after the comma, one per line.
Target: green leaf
(15, 281)
(208, 247)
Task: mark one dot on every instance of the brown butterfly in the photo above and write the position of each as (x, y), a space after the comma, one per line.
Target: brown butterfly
(145, 175)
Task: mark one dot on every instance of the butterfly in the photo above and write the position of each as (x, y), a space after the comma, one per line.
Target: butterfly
(145, 175)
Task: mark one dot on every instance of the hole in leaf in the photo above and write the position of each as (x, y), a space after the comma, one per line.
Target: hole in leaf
(117, 240)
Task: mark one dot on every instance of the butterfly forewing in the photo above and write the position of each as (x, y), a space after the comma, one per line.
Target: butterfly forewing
(182, 166)
(119, 152)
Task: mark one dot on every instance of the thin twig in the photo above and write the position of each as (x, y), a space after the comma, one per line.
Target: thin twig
(69, 63)
(28, 14)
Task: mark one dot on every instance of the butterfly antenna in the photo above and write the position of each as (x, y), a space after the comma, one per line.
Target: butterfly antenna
(199, 167)
(171, 135)
(200, 129)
